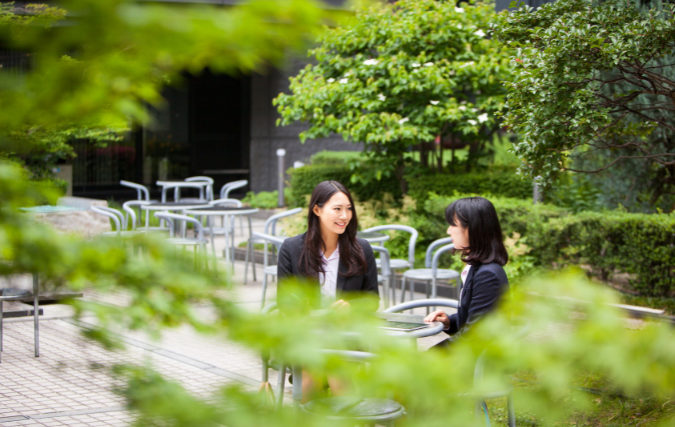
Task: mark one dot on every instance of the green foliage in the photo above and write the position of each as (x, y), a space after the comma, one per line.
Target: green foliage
(612, 243)
(262, 200)
(304, 179)
(562, 332)
(501, 184)
(403, 74)
(116, 57)
(590, 77)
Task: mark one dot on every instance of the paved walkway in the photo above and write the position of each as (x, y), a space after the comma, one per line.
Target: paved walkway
(70, 384)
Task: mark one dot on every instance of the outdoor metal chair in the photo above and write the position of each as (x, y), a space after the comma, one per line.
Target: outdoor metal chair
(224, 229)
(397, 263)
(225, 194)
(134, 221)
(12, 294)
(142, 191)
(270, 229)
(118, 219)
(268, 270)
(431, 272)
(386, 276)
(225, 189)
(204, 196)
(198, 242)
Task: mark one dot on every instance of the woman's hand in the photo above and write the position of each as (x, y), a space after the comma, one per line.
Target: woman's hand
(340, 305)
(439, 316)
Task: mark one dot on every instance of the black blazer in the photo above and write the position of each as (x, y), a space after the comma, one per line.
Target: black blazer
(481, 292)
(348, 288)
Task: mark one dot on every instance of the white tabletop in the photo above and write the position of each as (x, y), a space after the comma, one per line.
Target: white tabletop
(172, 206)
(220, 211)
(193, 184)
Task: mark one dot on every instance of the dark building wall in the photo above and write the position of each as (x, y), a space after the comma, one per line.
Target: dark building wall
(266, 137)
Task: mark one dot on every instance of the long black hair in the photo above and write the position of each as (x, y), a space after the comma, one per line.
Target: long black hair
(479, 217)
(351, 253)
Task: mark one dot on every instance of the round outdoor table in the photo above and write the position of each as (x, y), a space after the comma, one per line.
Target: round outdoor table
(372, 236)
(177, 185)
(225, 212)
(170, 207)
(433, 328)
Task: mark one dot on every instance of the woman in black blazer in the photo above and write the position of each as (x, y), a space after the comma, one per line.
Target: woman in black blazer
(340, 267)
(475, 230)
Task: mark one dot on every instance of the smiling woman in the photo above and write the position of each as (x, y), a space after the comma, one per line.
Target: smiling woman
(329, 252)
(338, 264)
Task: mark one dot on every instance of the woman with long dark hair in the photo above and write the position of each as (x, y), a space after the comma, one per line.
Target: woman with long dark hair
(339, 266)
(475, 231)
(329, 253)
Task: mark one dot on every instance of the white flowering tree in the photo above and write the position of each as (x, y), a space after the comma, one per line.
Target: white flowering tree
(416, 73)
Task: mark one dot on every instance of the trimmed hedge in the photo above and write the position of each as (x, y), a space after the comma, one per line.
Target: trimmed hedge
(304, 179)
(642, 246)
(501, 184)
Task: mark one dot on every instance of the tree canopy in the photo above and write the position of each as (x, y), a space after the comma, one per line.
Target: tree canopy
(591, 80)
(405, 74)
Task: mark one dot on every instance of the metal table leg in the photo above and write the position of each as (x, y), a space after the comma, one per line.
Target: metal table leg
(36, 313)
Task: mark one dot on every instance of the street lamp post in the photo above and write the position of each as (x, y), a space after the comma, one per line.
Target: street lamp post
(281, 154)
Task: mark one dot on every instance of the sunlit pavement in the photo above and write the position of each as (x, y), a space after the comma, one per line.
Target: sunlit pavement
(70, 384)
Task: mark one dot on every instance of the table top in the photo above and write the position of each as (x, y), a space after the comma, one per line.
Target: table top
(220, 210)
(373, 236)
(195, 184)
(433, 329)
(172, 206)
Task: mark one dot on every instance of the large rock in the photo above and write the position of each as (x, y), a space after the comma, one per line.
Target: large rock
(73, 216)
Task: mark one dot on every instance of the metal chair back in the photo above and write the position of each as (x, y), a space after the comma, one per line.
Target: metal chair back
(209, 188)
(116, 216)
(226, 202)
(225, 189)
(172, 218)
(384, 257)
(271, 223)
(436, 243)
(129, 209)
(414, 234)
(142, 191)
(437, 256)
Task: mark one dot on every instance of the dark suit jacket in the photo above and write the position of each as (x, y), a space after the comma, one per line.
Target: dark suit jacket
(481, 291)
(348, 288)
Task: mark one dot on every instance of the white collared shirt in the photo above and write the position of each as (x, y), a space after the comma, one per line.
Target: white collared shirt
(329, 279)
(463, 275)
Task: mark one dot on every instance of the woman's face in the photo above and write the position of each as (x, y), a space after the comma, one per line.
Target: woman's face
(460, 235)
(335, 214)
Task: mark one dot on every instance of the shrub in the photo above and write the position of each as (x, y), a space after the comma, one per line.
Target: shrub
(304, 179)
(501, 184)
(262, 200)
(611, 243)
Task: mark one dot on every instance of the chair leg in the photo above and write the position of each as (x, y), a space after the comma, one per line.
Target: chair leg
(281, 383)
(248, 251)
(511, 410)
(402, 289)
(393, 288)
(264, 291)
(411, 288)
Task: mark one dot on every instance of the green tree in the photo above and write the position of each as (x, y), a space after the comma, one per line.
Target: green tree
(593, 86)
(405, 74)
